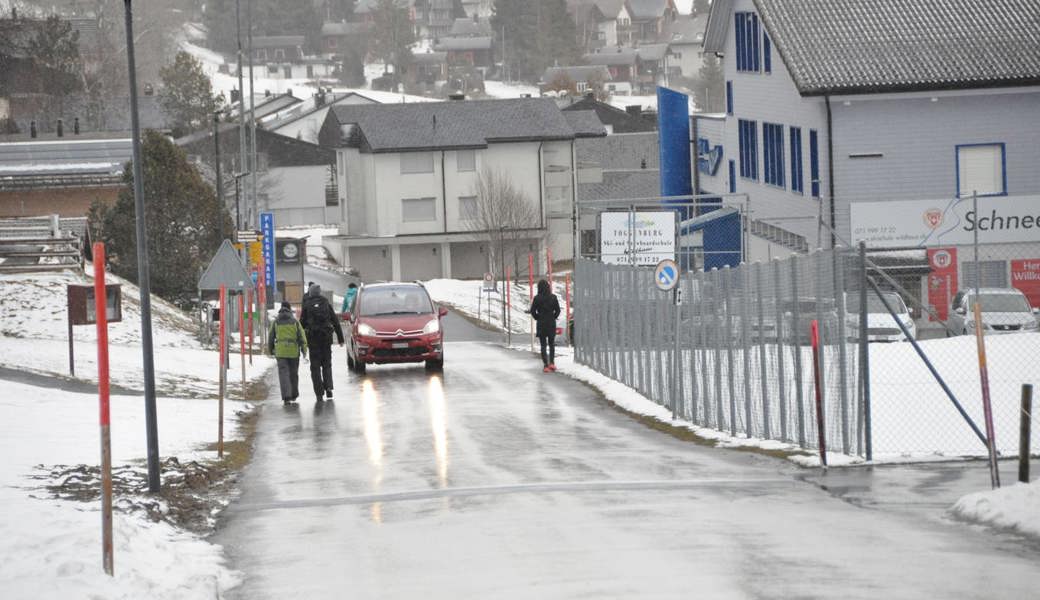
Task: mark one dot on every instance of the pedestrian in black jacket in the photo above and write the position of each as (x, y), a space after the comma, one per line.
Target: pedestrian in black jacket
(319, 321)
(546, 309)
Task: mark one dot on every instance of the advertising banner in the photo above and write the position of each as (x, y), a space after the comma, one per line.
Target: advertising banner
(1000, 219)
(267, 229)
(1025, 276)
(642, 238)
(942, 281)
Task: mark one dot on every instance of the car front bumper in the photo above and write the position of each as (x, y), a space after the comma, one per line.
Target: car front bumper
(378, 350)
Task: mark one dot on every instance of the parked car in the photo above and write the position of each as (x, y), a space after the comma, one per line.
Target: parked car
(798, 315)
(1004, 310)
(395, 323)
(881, 326)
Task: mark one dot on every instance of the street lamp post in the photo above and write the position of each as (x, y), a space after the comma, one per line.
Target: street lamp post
(143, 279)
(238, 190)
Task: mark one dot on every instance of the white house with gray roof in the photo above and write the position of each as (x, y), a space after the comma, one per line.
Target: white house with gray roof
(831, 112)
(407, 174)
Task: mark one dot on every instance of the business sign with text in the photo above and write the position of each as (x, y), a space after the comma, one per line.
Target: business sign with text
(1000, 219)
(642, 238)
(1025, 275)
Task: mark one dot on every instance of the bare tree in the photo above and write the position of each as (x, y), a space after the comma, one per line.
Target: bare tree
(504, 215)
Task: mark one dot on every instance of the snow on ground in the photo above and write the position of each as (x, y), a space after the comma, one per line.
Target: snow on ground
(466, 297)
(1015, 507)
(501, 89)
(51, 547)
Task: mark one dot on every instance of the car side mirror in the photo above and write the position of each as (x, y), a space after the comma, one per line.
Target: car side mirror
(961, 310)
(1036, 310)
(442, 312)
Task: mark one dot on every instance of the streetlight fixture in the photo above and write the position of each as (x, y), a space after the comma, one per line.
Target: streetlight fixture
(143, 279)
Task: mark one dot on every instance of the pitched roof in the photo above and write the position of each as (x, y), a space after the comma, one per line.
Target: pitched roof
(612, 56)
(638, 183)
(621, 151)
(278, 41)
(281, 150)
(72, 156)
(686, 30)
(439, 125)
(621, 121)
(853, 47)
(647, 9)
(466, 27)
(652, 51)
(585, 123)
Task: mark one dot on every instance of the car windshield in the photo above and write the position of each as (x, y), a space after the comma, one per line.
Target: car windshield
(1001, 303)
(874, 303)
(395, 300)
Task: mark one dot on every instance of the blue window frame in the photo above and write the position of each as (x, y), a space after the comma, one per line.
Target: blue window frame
(747, 40)
(797, 182)
(732, 177)
(773, 153)
(767, 53)
(729, 97)
(748, 133)
(981, 169)
(814, 163)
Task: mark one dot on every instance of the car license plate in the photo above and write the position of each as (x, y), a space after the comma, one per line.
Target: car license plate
(399, 345)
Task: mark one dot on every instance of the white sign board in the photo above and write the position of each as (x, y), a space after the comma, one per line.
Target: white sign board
(641, 238)
(950, 222)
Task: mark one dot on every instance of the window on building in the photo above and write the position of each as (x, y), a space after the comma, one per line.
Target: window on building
(466, 160)
(748, 134)
(279, 54)
(582, 86)
(415, 210)
(416, 162)
(747, 40)
(980, 170)
(468, 208)
(767, 53)
(729, 97)
(773, 153)
(814, 163)
(732, 177)
(797, 181)
(331, 188)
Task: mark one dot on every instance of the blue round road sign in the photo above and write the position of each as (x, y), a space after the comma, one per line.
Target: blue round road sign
(666, 275)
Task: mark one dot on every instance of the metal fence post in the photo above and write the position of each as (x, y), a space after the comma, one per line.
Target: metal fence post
(838, 262)
(823, 395)
(864, 355)
(727, 290)
(762, 368)
(797, 348)
(780, 361)
(1024, 419)
(745, 342)
(716, 338)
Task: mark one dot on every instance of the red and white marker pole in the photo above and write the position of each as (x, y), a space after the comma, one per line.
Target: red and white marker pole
(223, 370)
(242, 338)
(548, 264)
(987, 408)
(817, 372)
(530, 294)
(100, 302)
(251, 305)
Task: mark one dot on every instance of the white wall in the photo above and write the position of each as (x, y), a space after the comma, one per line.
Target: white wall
(297, 195)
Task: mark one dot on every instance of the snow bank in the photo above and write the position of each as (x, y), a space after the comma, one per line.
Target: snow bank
(1016, 507)
(462, 295)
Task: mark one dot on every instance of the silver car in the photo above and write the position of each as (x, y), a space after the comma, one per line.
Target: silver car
(1004, 310)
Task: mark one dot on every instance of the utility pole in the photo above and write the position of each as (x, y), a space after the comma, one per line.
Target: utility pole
(243, 160)
(143, 278)
(252, 123)
(220, 182)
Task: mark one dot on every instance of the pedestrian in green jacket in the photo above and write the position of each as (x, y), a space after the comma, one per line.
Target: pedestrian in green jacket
(287, 342)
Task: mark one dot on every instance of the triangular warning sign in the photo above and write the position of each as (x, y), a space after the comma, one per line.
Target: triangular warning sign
(226, 269)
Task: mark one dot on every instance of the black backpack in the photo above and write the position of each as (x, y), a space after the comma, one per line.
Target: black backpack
(319, 315)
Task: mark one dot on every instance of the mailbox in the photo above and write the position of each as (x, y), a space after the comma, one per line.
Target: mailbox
(82, 307)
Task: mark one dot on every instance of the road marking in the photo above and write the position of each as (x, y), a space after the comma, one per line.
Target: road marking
(521, 488)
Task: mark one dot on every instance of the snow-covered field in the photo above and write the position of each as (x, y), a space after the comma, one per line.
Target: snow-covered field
(1015, 507)
(50, 547)
(465, 296)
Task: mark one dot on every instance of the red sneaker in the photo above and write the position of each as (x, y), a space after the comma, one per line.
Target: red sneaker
(552, 367)
(547, 369)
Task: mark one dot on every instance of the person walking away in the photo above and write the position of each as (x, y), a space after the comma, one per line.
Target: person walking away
(287, 342)
(319, 321)
(348, 298)
(546, 309)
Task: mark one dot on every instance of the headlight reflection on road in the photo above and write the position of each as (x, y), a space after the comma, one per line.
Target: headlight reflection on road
(374, 439)
(439, 426)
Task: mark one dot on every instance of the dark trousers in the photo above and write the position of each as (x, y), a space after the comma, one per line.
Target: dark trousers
(321, 368)
(289, 378)
(550, 341)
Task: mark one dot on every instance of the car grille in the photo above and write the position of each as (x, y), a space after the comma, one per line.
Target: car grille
(396, 352)
(883, 331)
(401, 336)
(1006, 327)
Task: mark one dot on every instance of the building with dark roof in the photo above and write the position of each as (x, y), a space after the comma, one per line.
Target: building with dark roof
(612, 118)
(875, 113)
(408, 176)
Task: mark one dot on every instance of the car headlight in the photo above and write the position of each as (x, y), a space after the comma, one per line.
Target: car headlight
(1031, 325)
(432, 327)
(366, 330)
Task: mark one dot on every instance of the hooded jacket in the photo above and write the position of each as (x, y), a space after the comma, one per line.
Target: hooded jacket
(545, 309)
(286, 338)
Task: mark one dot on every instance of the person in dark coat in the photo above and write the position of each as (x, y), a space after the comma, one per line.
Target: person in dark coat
(287, 342)
(546, 309)
(319, 320)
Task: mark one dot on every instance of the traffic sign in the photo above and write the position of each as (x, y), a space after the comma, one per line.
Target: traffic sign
(489, 282)
(246, 236)
(267, 229)
(666, 275)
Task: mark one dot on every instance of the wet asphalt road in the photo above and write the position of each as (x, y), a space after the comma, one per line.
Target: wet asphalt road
(495, 480)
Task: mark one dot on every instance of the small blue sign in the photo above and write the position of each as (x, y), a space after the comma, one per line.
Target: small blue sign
(666, 275)
(267, 229)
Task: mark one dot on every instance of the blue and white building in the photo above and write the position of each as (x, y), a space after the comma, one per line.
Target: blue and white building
(878, 115)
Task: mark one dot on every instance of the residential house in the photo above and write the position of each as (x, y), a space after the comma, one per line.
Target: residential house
(651, 67)
(579, 79)
(364, 10)
(467, 51)
(483, 9)
(264, 106)
(296, 179)
(278, 48)
(471, 27)
(435, 17)
(596, 22)
(407, 176)
(685, 39)
(882, 124)
(620, 62)
(61, 175)
(613, 119)
(303, 120)
(427, 68)
(644, 21)
(336, 37)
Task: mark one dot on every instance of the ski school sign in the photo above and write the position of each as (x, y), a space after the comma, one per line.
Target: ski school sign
(1000, 219)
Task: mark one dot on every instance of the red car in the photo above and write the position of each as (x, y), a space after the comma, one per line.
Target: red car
(394, 323)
